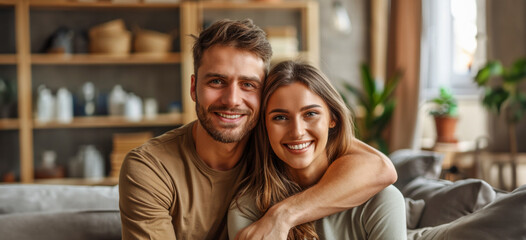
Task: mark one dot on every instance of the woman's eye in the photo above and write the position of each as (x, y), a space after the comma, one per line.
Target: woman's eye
(279, 118)
(311, 114)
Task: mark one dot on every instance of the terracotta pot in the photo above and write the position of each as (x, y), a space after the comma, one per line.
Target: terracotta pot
(445, 129)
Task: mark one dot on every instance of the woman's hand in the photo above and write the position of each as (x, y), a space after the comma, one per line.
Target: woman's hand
(269, 227)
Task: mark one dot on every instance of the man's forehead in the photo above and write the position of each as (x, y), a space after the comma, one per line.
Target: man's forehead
(230, 61)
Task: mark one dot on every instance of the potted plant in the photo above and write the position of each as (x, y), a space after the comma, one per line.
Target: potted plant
(376, 107)
(445, 112)
(503, 95)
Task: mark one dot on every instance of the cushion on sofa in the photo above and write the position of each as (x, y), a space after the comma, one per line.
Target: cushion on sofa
(446, 201)
(78, 225)
(411, 164)
(414, 209)
(35, 197)
(504, 218)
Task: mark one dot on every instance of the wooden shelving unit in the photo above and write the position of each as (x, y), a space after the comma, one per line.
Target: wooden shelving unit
(7, 59)
(108, 181)
(191, 16)
(101, 59)
(9, 124)
(101, 4)
(112, 121)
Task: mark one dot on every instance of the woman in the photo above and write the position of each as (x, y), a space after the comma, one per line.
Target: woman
(308, 126)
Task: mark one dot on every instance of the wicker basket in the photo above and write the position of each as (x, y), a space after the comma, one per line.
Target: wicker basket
(110, 38)
(147, 41)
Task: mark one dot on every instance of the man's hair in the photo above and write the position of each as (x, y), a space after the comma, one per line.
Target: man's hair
(241, 34)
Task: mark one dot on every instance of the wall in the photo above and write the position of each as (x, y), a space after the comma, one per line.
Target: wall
(506, 42)
(341, 54)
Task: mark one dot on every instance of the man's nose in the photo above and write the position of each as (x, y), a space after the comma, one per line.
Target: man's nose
(232, 96)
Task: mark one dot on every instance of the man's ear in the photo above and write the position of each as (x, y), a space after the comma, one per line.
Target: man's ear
(192, 88)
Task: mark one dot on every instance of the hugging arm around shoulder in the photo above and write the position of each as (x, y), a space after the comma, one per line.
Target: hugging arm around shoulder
(348, 182)
(144, 200)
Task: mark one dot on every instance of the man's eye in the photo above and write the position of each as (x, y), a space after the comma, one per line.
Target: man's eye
(249, 85)
(216, 82)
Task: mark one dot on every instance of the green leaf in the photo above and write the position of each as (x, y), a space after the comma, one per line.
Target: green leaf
(516, 72)
(494, 98)
(390, 87)
(362, 99)
(492, 68)
(369, 86)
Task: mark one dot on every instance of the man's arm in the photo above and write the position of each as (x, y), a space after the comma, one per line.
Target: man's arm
(348, 182)
(144, 200)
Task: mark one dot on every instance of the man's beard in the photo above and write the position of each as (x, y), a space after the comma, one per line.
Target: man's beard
(203, 115)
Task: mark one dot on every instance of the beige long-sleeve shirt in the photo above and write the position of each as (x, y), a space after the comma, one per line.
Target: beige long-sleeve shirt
(168, 192)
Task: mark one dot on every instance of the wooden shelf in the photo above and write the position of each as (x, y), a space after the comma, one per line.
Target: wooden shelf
(7, 59)
(112, 121)
(108, 181)
(9, 124)
(7, 2)
(74, 4)
(277, 57)
(101, 59)
(252, 5)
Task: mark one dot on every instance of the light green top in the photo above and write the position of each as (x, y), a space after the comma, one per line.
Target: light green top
(381, 217)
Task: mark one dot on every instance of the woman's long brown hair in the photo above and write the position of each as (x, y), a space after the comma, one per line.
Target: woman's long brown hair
(269, 181)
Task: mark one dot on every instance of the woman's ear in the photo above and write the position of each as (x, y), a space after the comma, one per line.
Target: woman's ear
(332, 124)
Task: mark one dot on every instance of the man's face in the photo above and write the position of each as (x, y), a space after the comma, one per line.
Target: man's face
(227, 92)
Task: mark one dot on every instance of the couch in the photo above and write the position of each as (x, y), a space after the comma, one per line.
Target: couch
(59, 212)
(436, 209)
(465, 209)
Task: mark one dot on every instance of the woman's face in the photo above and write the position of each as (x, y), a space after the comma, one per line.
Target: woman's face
(298, 123)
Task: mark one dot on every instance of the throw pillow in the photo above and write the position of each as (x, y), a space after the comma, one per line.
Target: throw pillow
(451, 201)
(414, 209)
(411, 164)
(505, 218)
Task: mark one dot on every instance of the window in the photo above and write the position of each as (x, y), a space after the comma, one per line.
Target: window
(453, 45)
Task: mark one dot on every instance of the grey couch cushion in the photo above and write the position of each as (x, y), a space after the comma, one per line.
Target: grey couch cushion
(414, 209)
(505, 218)
(78, 225)
(446, 201)
(19, 198)
(411, 164)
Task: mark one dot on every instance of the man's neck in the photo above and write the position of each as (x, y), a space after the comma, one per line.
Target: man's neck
(215, 154)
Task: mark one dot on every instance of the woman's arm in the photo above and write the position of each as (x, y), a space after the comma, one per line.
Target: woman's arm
(348, 182)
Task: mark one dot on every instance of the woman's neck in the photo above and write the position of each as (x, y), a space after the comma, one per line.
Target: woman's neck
(311, 175)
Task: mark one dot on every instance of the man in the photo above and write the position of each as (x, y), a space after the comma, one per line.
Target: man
(180, 184)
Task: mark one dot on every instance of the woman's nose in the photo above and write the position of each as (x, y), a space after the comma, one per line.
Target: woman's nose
(297, 128)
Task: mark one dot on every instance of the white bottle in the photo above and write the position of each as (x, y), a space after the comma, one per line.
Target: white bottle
(88, 92)
(150, 108)
(133, 108)
(45, 105)
(64, 106)
(116, 101)
(92, 161)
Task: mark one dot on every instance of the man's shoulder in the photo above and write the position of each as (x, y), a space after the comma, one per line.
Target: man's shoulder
(167, 145)
(178, 136)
